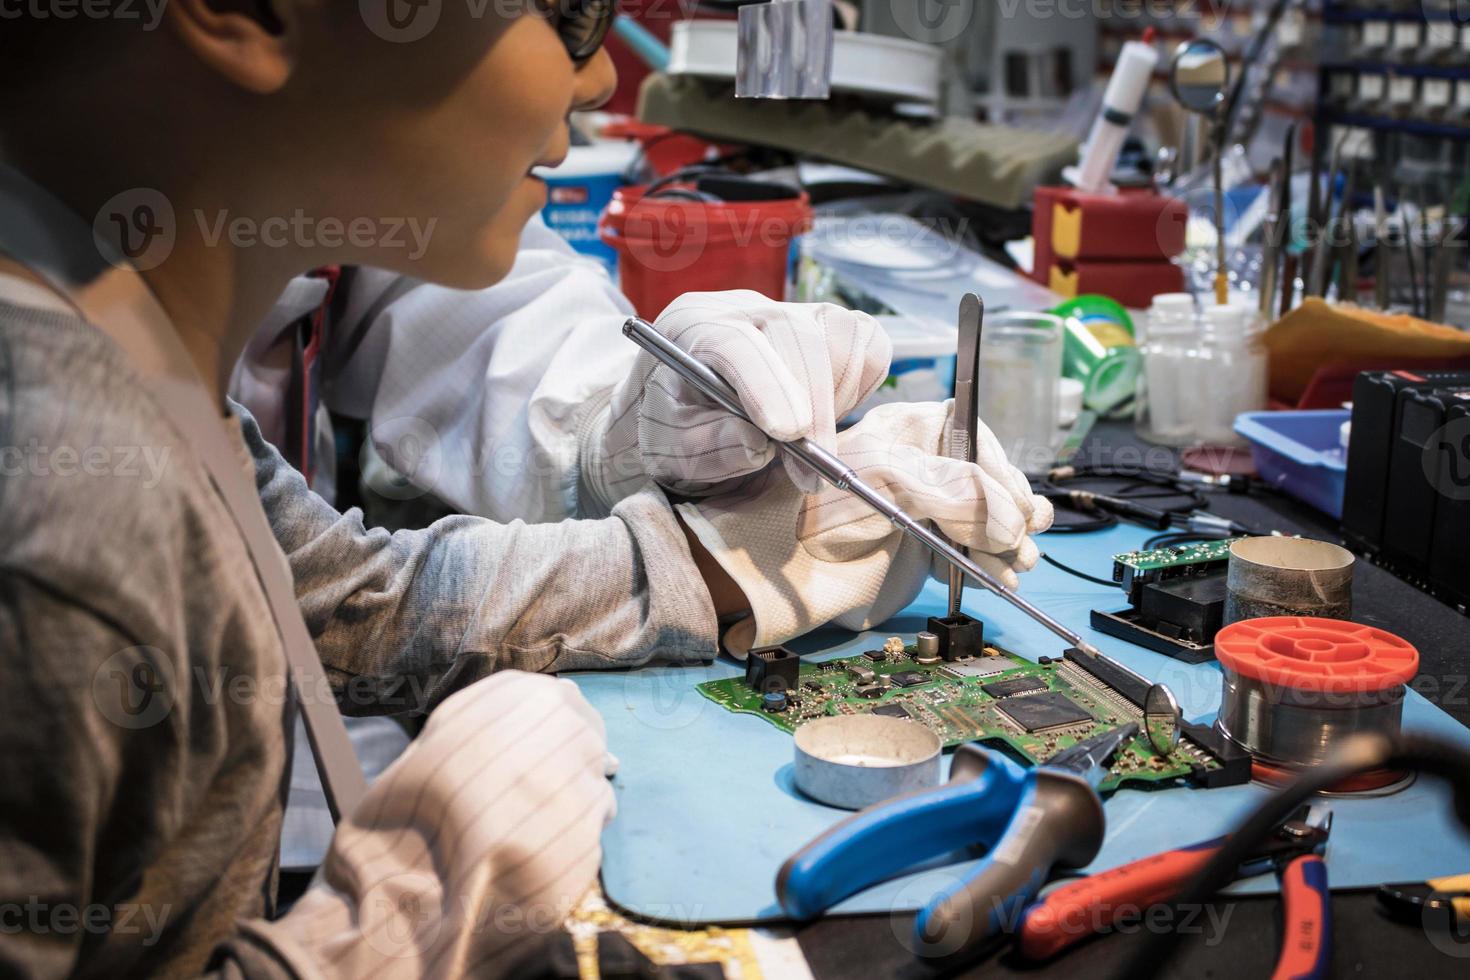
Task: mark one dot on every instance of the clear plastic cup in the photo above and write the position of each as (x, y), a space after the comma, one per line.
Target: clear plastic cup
(1020, 372)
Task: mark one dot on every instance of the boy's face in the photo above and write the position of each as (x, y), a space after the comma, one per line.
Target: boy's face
(423, 114)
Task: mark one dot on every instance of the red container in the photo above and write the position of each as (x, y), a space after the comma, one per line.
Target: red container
(1138, 226)
(670, 245)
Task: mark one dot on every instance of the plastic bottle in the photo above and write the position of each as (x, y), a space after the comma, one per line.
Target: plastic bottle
(1124, 94)
(1233, 371)
(1167, 385)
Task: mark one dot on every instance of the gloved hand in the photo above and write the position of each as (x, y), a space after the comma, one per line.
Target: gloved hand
(798, 369)
(473, 845)
(804, 561)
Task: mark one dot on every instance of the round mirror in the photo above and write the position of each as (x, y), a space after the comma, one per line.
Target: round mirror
(1199, 76)
(1161, 719)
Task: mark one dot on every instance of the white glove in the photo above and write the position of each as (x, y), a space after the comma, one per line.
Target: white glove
(798, 369)
(807, 560)
(468, 850)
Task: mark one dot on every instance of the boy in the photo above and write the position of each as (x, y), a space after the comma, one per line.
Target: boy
(144, 708)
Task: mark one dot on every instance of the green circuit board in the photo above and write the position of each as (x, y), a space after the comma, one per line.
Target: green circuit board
(1035, 710)
(1148, 564)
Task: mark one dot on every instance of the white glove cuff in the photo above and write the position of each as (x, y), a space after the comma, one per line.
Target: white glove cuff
(595, 497)
(772, 619)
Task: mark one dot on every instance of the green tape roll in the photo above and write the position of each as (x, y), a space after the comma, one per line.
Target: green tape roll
(1100, 350)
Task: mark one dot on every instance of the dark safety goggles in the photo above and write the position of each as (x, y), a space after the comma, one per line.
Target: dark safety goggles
(581, 24)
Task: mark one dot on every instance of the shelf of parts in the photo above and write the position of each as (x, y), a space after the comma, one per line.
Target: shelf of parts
(1390, 124)
(1453, 73)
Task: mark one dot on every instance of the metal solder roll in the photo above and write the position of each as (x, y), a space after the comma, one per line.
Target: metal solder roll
(1294, 687)
(1279, 576)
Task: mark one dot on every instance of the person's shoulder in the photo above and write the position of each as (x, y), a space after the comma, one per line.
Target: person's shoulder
(92, 476)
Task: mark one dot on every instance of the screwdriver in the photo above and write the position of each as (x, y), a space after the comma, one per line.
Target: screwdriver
(840, 475)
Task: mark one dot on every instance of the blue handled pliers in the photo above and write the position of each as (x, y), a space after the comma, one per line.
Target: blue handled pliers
(1030, 820)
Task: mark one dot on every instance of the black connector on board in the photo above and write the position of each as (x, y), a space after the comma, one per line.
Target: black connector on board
(960, 637)
(772, 669)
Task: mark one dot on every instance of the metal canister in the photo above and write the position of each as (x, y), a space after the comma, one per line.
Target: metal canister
(853, 761)
(1280, 576)
(1294, 687)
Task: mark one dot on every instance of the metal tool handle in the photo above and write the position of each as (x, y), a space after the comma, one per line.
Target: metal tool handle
(966, 412)
(839, 474)
(1058, 823)
(875, 844)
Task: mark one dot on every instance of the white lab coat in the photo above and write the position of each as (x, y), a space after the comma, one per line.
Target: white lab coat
(477, 396)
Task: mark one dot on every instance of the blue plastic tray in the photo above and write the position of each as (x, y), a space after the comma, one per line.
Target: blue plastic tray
(1300, 453)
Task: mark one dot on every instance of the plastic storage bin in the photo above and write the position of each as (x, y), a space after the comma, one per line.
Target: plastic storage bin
(1300, 453)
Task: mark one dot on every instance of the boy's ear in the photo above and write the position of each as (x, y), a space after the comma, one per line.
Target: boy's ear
(243, 40)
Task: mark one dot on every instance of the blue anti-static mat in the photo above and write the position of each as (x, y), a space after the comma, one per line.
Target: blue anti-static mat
(707, 811)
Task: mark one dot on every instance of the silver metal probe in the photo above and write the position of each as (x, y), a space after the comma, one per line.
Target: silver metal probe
(840, 475)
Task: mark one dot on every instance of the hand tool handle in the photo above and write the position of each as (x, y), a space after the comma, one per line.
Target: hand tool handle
(1059, 823)
(1306, 952)
(875, 844)
(839, 474)
(1082, 908)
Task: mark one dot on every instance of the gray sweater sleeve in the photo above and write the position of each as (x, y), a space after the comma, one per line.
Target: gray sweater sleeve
(404, 620)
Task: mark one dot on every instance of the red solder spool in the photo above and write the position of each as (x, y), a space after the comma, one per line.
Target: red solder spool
(1296, 686)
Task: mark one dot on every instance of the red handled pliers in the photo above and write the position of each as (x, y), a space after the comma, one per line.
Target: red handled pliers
(1076, 910)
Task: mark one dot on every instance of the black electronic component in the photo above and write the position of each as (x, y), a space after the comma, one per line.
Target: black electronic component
(772, 669)
(1449, 566)
(774, 701)
(1013, 687)
(1176, 597)
(891, 710)
(1375, 428)
(877, 656)
(1412, 495)
(908, 678)
(1044, 712)
(812, 686)
(959, 636)
(871, 691)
